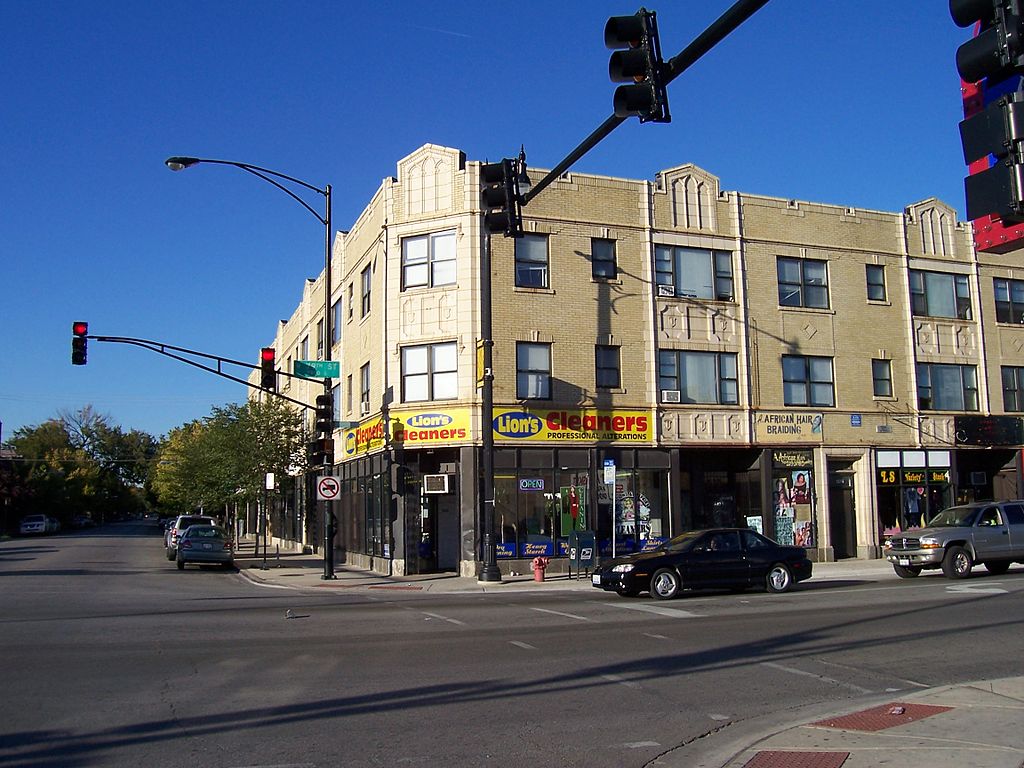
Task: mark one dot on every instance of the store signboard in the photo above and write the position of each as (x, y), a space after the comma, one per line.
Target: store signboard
(787, 427)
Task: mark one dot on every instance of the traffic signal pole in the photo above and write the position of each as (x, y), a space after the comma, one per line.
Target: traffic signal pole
(708, 39)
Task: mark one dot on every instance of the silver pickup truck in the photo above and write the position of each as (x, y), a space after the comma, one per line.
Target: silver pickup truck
(990, 532)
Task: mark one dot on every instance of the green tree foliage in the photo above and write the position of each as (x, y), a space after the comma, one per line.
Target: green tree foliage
(224, 458)
(80, 463)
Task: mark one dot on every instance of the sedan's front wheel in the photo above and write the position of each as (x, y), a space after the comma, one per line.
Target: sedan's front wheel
(779, 579)
(181, 564)
(665, 584)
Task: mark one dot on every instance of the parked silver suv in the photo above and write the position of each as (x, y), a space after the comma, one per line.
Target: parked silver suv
(989, 532)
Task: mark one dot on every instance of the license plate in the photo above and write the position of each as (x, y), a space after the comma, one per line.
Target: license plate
(207, 546)
(595, 579)
(904, 561)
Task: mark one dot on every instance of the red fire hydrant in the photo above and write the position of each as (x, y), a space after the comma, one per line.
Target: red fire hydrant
(539, 564)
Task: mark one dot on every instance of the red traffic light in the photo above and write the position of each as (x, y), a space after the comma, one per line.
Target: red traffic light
(267, 354)
(79, 328)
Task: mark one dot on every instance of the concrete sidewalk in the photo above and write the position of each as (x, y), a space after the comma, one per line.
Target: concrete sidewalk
(976, 724)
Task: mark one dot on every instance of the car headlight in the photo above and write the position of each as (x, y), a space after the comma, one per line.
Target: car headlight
(930, 542)
(887, 544)
(623, 568)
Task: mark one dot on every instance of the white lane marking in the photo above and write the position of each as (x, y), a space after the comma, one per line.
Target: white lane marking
(794, 671)
(560, 613)
(640, 744)
(521, 644)
(718, 717)
(656, 637)
(988, 588)
(675, 613)
(621, 681)
(445, 618)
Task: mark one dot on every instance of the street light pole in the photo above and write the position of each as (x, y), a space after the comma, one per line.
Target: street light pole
(179, 163)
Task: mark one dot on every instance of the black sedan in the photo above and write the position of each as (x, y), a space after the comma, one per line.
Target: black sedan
(719, 558)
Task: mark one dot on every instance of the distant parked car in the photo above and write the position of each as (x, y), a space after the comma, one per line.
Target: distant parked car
(204, 544)
(82, 521)
(181, 522)
(37, 524)
(720, 558)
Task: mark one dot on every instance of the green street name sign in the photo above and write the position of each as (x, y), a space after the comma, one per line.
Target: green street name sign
(317, 369)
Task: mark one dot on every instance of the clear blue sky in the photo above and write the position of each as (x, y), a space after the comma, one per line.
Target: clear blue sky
(847, 103)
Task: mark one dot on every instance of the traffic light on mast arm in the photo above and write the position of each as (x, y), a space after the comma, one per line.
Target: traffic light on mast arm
(500, 199)
(79, 342)
(324, 423)
(639, 63)
(996, 55)
(268, 376)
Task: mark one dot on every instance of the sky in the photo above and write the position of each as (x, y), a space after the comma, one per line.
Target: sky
(853, 104)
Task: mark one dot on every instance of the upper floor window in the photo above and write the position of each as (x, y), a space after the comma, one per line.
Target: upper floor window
(533, 371)
(302, 353)
(876, 282)
(1009, 300)
(1013, 388)
(881, 378)
(697, 377)
(802, 283)
(351, 301)
(602, 259)
(348, 393)
(365, 281)
(606, 366)
(698, 273)
(430, 372)
(938, 294)
(532, 261)
(428, 260)
(364, 388)
(336, 322)
(807, 380)
(320, 339)
(943, 387)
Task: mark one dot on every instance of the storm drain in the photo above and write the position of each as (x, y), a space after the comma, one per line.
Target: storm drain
(778, 759)
(880, 718)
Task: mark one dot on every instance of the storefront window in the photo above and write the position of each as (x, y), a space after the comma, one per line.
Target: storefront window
(641, 512)
(913, 486)
(793, 497)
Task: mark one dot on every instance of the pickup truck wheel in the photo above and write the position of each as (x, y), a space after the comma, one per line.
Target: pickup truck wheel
(997, 567)
(957, 563)
(907, 571)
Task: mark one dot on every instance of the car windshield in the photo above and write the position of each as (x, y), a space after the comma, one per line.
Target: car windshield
(204, 532)
(34, 519)
(955, 517)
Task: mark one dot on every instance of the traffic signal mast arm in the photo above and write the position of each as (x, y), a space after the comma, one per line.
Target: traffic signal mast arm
(671, 69)
(162, 349)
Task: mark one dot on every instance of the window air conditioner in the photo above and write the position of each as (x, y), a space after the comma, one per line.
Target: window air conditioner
(364, 407)
(670, 395)
(666, 290)
(978, 478)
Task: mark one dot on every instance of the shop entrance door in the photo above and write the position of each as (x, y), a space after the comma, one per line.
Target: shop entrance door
(842, 511)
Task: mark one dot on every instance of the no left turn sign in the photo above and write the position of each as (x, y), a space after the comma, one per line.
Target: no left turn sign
(328, 488)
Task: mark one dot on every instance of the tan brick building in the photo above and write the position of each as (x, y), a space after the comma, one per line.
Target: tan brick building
(800, 368)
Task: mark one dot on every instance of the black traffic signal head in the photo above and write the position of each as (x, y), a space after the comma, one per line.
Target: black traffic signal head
(500, 199)
(268, 376)
(79, 342)
(324, 424)
(996, 52)
(639, 63)
(321, 452)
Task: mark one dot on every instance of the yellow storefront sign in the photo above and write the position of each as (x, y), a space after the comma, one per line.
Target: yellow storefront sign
(410, 429)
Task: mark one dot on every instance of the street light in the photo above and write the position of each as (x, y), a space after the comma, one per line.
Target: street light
(178, 163)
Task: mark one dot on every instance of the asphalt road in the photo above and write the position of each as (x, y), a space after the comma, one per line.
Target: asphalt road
(109, 656)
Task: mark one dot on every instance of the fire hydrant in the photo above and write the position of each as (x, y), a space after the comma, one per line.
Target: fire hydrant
(539, 564)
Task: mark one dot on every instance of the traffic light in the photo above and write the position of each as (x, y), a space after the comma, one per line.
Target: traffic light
(996, 55)
(324, 423)
(321, 452)
(639, 62)
(500, 198)
(996, 52)
(79, 343)
(268, 376)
